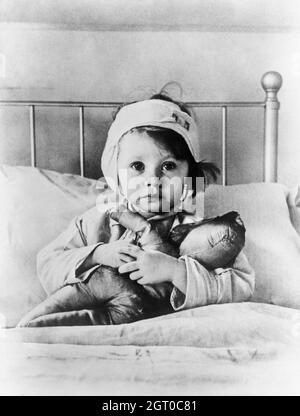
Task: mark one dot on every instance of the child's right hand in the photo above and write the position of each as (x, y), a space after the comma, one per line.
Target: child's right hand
(115, 254)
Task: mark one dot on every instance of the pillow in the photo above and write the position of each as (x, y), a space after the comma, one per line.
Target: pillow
(272, 243)
(293, 200)
(36, 205)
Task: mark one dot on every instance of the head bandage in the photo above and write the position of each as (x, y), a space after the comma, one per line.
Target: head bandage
(154, 112)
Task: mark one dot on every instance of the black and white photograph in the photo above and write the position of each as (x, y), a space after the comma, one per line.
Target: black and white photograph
(150, 200)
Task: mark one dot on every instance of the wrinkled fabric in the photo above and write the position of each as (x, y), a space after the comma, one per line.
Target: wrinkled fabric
(236, 348)
(106, 298)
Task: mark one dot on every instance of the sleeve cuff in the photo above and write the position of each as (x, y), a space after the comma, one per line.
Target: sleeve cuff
(221, 285)
(74, 276)
(196, 289)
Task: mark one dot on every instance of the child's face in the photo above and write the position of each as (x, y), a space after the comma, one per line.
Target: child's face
(149, 175)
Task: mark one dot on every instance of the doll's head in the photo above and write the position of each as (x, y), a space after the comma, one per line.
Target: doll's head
(152, 154)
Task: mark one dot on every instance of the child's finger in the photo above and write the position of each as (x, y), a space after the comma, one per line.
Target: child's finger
(128, 267)
(126, 258)
(130, 239)
(131, 249)
(142, 281)
(135, 275)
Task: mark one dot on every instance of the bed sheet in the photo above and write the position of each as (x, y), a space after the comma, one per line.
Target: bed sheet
(229, 349)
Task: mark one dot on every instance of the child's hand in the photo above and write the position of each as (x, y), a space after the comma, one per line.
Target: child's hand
(115, 254)
(152, 267)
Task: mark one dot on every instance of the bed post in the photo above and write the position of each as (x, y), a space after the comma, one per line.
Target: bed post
(271, 83)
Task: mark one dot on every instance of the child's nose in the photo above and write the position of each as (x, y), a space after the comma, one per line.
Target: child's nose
(153, 181)
(152, 176)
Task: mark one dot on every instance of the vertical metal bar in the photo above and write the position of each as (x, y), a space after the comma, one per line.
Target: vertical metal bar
(81, 140)
(224, 145)
(271, 143)
(32, 136)
(271, 83)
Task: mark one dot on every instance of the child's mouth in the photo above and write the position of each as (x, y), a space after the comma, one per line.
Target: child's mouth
(151, 197)
(149, 200)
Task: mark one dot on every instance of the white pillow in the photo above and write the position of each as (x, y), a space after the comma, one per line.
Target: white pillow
(36, 205)
(272, 243)
(293, 200)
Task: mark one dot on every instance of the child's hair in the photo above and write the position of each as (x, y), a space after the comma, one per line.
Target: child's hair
(175, 143)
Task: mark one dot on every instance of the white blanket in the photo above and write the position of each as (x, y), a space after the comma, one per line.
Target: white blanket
(219, 349)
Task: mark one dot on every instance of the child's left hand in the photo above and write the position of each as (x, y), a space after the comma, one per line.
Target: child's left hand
(151, 267)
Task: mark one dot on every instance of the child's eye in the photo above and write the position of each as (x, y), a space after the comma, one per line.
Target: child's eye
(169, 166)
(138, 166)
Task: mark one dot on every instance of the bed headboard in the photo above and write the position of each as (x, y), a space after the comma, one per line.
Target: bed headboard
(271, 82)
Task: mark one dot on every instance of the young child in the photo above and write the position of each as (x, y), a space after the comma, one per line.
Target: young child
(152, 147)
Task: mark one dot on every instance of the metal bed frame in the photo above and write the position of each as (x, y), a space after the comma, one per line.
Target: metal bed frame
(271, 82)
